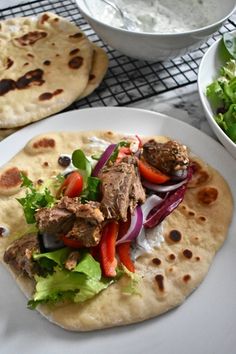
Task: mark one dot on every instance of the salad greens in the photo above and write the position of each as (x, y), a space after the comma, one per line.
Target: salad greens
(222, 92)
(81, 162)
(78, 285)
(54, 282)
(92, 191)
(34, 199)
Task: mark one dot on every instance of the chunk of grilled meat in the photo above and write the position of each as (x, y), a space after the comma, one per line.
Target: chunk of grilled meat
(87, 225)
(168, 157)
(121, 188)
(54, 221)
(19, 255)
(70, 218)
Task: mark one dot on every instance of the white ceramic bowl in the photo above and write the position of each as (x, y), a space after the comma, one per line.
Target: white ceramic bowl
(209, 71)
(157, 46)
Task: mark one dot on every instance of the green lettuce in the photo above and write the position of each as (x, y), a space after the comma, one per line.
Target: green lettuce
(222, 95)
(79, 285)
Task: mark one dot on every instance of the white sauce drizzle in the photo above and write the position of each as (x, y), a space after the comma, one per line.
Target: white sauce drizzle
(147, 240)
(97, 143)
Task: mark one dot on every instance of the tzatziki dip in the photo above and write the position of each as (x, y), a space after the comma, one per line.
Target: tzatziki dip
(157, 16)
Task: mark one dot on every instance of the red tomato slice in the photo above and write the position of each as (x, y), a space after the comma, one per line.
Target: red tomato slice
(151, 174)
(123, 251)
(72, 185)
(69, 242)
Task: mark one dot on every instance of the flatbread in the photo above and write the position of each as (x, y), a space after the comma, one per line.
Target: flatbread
(4, 133)
(193, 233)
(100, 63)
(44, 66)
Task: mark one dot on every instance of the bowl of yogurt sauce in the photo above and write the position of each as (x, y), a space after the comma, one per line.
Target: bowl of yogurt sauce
(162, 28)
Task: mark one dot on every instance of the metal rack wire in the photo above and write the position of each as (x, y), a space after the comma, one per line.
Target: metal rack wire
(127, 80)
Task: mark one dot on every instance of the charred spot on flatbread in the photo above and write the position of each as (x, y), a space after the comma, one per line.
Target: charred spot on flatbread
(10, 181)
(31, 38)
(74, 51)
(201, 174)
(175, 235)
(207, 195)
(40, 145)
(160, 282)
(29, 79)
(48, 95)
(76, 35)
(187, 253)
(156, 261)
(76, 62)
(47, 62)
(9, 63)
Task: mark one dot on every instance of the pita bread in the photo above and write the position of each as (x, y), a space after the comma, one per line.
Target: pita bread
(4, 133)
(167, 276)
(44, 67)
(99, 68)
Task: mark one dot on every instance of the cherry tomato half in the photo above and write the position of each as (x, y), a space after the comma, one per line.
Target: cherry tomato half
(151, 174)
(72, 185)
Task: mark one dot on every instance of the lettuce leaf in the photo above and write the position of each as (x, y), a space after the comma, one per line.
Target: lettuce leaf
(81, 284)
(222, 96)
(49, 260)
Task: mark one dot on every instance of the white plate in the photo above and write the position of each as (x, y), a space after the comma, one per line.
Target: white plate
(205, 323)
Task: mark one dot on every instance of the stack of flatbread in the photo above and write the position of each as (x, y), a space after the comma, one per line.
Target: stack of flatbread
(46, 63)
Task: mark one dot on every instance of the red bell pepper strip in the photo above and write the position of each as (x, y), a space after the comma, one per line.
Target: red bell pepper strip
(108, 249)
(123, 251)
(151, 174)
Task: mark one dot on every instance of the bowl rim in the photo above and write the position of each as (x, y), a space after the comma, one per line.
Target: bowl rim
(203, 97)
(153, 34)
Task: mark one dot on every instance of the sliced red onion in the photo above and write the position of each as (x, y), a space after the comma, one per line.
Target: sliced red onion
(167, 206)
(103, 159)
(151, 202)
(163, 188)
(135, 226)
(170, 202)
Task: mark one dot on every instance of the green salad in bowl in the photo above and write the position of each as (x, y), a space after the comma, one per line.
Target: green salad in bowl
(222, 91)
(217, 89)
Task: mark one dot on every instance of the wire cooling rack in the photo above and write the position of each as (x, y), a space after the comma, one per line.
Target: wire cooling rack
(127, 80)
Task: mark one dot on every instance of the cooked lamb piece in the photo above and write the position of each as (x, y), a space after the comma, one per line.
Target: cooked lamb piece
(70, 204)
(19, 255)
(54, 221)
(121, 189)
(87, 226)
(70, 218)
(168, 157)
(88, 235)
(90, 212)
